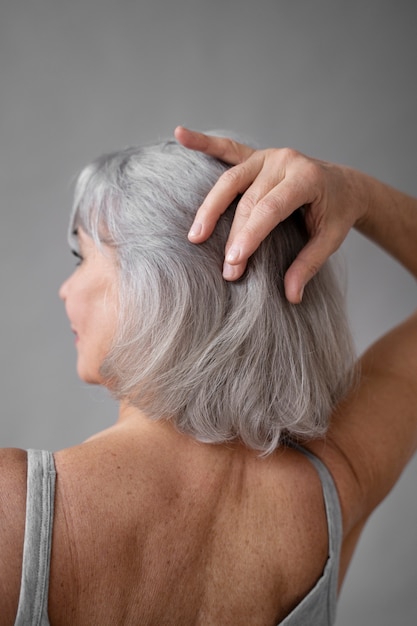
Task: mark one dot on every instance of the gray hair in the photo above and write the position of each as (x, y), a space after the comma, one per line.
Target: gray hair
(224, 360)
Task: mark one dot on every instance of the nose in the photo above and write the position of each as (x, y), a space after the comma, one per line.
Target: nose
(63, 290)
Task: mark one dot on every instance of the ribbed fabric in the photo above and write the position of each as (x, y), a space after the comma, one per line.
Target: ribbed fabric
(33, 600)
(318, 608)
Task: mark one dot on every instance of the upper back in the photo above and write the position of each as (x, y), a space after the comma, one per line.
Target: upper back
(187, 536)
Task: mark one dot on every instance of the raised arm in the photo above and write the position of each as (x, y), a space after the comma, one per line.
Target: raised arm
(374, 433)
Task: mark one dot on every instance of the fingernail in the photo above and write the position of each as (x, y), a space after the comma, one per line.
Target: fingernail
(233, 255)
(301, 293)
(195, 230)
(228, 271)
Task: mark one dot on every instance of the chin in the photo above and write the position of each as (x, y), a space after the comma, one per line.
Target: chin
(89, 376)
(90, 380)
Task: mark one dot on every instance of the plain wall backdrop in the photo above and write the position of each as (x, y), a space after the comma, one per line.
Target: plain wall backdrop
(333, 79)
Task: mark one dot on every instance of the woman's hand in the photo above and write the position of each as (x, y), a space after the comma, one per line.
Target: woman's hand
(274, 183)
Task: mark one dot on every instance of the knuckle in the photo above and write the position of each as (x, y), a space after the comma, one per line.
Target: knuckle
(313, 172)
(282, 156)
(289, 154)
(231, 177)
(313, 177)
(294, 157)
(271, 206)
(249, 238)
(246, 204)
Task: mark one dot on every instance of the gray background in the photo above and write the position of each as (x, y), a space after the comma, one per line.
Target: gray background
(333, 79)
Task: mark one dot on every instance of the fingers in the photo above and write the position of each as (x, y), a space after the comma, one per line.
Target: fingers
(308, 262)
(274, 183)
(223, 148)
(254, 220)
(232, 183)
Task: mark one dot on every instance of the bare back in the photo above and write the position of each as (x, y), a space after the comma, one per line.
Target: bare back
(205, 534)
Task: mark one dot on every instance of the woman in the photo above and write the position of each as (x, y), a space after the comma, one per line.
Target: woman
(198, 506)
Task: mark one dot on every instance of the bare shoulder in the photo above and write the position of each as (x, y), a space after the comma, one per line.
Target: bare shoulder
(13, 465)
(100, 487)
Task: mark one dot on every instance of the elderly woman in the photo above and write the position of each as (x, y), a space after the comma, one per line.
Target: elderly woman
(217, 497)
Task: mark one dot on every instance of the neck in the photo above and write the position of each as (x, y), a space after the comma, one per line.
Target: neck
(133, 419)
(129, 413)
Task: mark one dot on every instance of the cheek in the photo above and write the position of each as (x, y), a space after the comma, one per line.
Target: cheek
(78, 310)
(103, 321)
(91, 302)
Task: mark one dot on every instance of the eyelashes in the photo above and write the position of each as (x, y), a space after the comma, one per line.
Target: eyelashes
(77, 256)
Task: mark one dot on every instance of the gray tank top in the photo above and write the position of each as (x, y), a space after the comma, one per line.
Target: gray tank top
(33, 600)
(318, 608)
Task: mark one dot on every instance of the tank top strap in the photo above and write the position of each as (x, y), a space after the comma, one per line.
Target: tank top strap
(334, 524)
(331, 500)
(33, 599)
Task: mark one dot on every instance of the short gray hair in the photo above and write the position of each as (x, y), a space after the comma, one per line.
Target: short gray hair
(224, 360)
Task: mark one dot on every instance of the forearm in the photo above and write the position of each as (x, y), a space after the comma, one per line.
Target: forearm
(390, 220)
